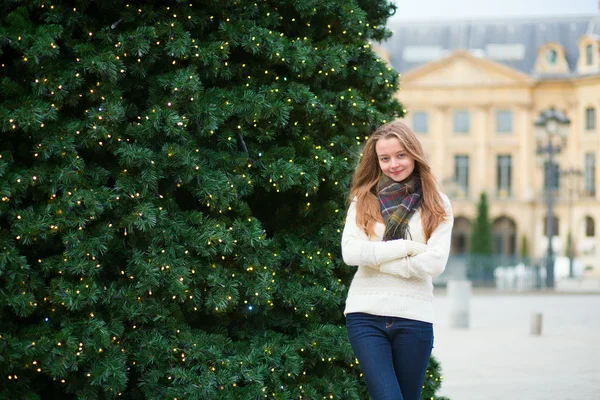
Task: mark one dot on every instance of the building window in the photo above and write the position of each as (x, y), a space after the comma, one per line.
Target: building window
(589, 174)
(461, 174)
(504, 121)
(461, 232)
(551, 56)
(551, 178)
(461, 121)
(504, 231)
(503, 175)
(589, 54)
(420, 122)
(554, 226)
(590, 227)
(590, 118)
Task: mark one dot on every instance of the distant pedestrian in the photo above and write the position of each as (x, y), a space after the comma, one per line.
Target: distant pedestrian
(397, 231)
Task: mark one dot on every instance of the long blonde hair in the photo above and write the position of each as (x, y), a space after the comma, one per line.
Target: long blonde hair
(367, 175)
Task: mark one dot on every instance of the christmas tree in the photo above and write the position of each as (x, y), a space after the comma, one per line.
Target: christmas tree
(481, 263)
(173, 182)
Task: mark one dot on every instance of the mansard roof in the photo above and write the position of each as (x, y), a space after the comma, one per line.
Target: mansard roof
(513, 42)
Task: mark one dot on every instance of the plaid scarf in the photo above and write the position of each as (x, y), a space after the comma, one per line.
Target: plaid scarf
(398, 202)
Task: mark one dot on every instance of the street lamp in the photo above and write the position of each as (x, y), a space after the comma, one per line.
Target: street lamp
(551, 128)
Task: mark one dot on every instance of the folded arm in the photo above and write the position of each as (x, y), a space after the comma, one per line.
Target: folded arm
(433, 260)
(358, 250)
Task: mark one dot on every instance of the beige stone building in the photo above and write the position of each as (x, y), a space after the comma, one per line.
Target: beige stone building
(473, 91)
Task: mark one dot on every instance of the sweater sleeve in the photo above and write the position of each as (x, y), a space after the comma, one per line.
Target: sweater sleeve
(433, 260)
(400, 267)
(358, 250)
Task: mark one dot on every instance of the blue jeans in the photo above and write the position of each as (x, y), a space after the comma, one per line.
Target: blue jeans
(393, 354)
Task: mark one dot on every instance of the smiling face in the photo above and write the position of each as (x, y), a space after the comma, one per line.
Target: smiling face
(393, 159)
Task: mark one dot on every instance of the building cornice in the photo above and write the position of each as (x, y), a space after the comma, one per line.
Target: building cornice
(518, 77)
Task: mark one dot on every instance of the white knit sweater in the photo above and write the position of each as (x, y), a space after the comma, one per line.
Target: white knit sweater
(387, 281)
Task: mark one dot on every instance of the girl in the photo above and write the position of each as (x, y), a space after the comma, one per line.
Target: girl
(397, 232)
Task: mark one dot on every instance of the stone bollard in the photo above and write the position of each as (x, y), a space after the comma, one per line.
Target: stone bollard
(459, 293)
(536, 324)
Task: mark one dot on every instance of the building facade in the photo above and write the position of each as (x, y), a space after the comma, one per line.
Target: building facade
(473, 91)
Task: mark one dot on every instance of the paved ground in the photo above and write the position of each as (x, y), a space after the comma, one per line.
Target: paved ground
(498, 359)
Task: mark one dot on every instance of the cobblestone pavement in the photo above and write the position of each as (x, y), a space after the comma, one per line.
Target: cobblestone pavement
(497, 358)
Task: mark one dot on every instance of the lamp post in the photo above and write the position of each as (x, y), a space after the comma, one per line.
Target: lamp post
(551, 128)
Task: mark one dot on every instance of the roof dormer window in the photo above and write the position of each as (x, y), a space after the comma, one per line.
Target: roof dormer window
(551, 59)
(551, 56)
(589, 54)
(589, 57)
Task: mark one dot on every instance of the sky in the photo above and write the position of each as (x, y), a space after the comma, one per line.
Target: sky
(414, 10)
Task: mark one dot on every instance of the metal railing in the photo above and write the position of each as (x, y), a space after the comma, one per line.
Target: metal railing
(509, 273)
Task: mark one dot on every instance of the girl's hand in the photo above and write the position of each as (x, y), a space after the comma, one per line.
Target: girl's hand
(414, 248)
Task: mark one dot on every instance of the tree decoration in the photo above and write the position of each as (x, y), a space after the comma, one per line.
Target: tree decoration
(173, 177)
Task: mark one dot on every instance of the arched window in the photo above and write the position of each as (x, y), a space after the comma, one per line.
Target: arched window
(504, 230)
(589, 54)
(461, 235)
(590, 227)
(551, 56)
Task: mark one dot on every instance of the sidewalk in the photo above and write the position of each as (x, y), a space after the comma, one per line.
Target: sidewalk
(497, 358)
